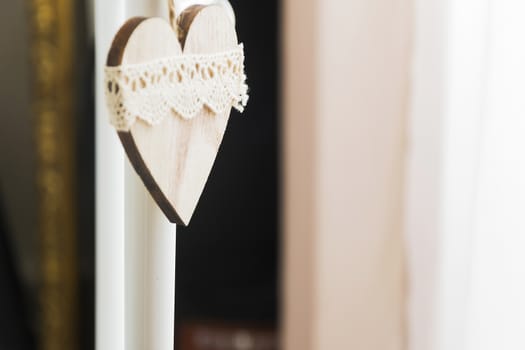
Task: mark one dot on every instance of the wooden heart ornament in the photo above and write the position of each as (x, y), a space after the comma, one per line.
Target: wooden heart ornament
(170, 97)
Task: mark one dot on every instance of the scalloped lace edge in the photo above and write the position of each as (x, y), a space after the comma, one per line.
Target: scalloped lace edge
(180, 85)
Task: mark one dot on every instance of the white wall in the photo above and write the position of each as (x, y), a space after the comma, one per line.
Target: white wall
(465, 192)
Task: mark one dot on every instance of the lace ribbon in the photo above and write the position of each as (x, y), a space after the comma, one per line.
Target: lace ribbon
(182, 85)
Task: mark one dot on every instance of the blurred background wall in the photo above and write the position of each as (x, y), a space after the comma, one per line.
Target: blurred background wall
(19, 278)
(46, 174)
(346, 88)
(17, 156)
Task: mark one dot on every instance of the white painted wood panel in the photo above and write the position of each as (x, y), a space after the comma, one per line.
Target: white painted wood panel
(109, 15)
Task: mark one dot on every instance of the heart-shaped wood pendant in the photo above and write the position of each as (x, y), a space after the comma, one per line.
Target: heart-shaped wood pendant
(175, 156)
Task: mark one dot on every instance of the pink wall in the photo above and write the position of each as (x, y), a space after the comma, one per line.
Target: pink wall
(345, 96)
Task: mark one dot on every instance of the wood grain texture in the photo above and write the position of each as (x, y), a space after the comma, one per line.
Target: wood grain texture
(175, 158)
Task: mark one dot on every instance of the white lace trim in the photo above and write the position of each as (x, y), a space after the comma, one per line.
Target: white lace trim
(185, 84)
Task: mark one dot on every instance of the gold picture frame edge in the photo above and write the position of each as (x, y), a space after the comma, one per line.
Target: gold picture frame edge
(51, 28)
